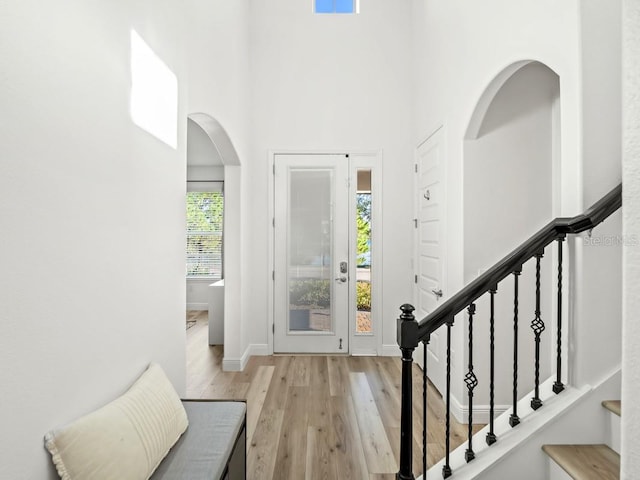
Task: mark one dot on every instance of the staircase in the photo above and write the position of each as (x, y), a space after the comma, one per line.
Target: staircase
(513, 443)
(589, 462)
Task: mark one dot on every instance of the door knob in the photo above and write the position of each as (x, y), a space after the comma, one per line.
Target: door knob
(341, 279)
(437, 293)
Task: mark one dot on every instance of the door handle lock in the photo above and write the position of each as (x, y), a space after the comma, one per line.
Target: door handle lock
(437, 293)
(342, 279)
(344, 268)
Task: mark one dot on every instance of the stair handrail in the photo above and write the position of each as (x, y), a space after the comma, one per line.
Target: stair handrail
(410, 333)
(554, 230)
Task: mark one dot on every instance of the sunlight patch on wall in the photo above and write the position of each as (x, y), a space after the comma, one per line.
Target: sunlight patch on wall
(154, 93)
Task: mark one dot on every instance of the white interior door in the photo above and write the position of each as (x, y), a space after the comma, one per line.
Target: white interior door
(312, 266)
(429, 249)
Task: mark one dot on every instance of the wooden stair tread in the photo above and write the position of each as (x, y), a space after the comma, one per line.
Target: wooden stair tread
(614, 406)
(586, 462)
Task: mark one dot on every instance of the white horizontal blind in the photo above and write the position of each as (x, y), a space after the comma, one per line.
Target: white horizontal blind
(204, 232)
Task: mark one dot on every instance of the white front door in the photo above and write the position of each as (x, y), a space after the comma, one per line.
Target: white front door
(429, 250)
(312, 265)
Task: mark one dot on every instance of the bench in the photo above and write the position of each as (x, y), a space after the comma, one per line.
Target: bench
(148, 432)
(212, 447)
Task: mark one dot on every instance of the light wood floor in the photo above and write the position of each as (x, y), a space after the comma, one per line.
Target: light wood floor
(328, 417)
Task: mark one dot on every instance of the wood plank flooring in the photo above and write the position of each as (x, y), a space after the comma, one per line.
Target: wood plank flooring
(324, 417)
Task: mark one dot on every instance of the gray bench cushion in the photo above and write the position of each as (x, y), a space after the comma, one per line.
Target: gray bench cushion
(206, 446)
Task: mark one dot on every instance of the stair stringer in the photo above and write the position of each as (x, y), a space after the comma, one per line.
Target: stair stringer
(574, 416)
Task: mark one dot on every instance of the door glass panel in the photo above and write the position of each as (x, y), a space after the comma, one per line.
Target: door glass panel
(310, 251)
(363, 249)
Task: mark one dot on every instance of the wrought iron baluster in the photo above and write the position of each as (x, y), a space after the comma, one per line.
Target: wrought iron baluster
(472, 382)
(558, 386)
(446, 469)
(514, 419)
(424, 408)
(491, 436)
(537, 325)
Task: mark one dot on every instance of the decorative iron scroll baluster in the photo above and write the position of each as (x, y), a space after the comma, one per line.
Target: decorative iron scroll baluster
(446, 469)
(424, 408)
(472, 382)
(491, 437)
(407, 339)
(537, 325)
(558, 386)
(514, 419)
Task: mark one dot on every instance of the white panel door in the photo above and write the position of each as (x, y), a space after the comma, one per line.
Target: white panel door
(311, 290)
(429, 250)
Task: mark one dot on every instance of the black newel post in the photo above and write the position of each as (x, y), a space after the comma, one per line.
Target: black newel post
(407, 335)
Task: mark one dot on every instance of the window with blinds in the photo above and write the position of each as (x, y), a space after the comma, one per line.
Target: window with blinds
(204, 232)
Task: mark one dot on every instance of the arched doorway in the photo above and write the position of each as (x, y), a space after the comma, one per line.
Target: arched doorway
(213, 165)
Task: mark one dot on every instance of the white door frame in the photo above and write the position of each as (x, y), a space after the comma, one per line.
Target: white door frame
(360, 158)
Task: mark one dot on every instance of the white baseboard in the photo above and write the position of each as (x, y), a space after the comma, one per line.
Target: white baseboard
(364, 352)
(198, 306)
(390, 350)
(480, 412)
(232, 364)
(238, 364)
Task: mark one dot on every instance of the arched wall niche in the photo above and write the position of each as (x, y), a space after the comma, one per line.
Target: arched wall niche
(211, 156)
(511, 151)
(511, 156)
(489, 94)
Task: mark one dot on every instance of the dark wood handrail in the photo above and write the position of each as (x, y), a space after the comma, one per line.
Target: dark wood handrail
(489, 280)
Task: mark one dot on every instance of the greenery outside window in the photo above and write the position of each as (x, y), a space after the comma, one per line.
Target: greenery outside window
(205, 213)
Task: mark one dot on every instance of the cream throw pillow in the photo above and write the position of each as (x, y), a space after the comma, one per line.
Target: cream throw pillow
(125, 439)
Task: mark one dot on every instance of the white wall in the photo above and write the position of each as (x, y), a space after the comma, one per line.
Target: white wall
(458, 55)
(217, 40)
(198, 293)
(598, 283)
(630, 463)
(92, 213)
(331, 82)
(218, 56)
